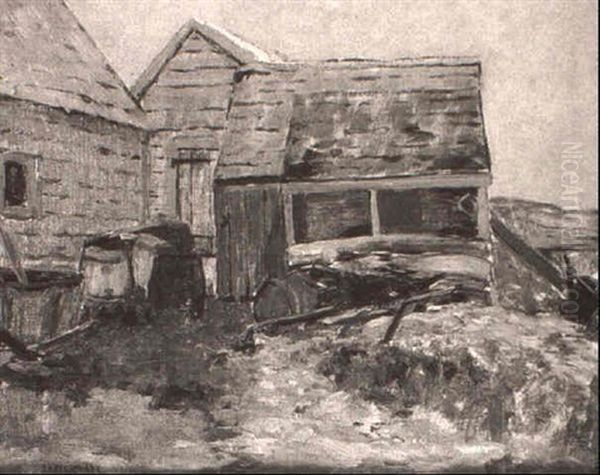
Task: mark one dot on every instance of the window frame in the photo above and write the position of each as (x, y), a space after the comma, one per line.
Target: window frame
(308, 195)
(32, 205)
(480, 182)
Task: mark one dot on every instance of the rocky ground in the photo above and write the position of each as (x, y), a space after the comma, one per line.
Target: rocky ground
(459, 387)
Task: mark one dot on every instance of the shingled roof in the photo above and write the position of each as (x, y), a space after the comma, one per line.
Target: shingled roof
(47, 57)
(237, 48)
(355, 119)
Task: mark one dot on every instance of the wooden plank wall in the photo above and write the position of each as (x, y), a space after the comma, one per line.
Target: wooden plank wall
(187, 106)
(252, 239)
(90, 179)
(425, 210)
(336, 214)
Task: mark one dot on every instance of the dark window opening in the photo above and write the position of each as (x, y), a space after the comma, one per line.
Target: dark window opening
(434, 210)
(15, 184)
(322, 216)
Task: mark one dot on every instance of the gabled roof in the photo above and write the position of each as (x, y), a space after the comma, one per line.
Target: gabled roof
(47, 57)
(355, 119)
(237, 48)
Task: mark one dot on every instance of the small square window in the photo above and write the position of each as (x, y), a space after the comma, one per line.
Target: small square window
(18, 185)
(15, 183)
(331, 215)
(432, 210)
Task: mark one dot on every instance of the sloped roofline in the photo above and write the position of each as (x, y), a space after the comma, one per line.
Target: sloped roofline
(138, 110)
(50, 82)
(239, 49)
(361, 63)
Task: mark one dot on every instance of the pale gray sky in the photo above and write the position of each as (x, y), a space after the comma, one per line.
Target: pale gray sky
(539, 57)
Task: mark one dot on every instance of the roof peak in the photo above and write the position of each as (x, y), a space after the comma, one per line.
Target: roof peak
(238, 48)
(49, 58)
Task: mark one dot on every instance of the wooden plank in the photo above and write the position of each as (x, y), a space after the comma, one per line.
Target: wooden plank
(289, 218)
(251, 241)
(375, 222)
(184, 192)
(331, 215)
(326, 251)
(50, 312)
(277, 322)
(409, 305)
(398, 183)
(483, 213)
(202, 220)
(187, 99)
(224, 238)
(529, 255)
(12, 255)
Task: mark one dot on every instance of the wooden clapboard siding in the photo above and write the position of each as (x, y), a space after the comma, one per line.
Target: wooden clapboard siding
(90, 179)
(186, 105)
(252, 239)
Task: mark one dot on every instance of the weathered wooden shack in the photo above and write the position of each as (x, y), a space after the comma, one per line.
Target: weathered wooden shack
(72, 142)
(72, 157)
(273, 165)
(186, 92)
(326, 160)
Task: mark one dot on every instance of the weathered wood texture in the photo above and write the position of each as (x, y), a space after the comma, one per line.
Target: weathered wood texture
(291, 295)
(186, 106)
(252, 239)
(355, 120)
(350, 279)
(195, 203)
(425, 210)
(237, 49)
(531, 256)
(36, 315)
(323, 228)
(89, 179)
(319, 216)
(48, 58)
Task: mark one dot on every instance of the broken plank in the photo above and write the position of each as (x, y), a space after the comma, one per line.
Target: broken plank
(360, 316)
(528, 254)
(302, 318)
(57, 339)
(276, 322)
(409, 305)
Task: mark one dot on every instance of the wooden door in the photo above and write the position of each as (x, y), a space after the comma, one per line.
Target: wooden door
(194, 202)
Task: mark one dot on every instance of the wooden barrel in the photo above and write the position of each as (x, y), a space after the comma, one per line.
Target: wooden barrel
(292, 294)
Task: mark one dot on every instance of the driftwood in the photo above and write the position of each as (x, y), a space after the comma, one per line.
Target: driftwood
(277, 322)
(360, 316)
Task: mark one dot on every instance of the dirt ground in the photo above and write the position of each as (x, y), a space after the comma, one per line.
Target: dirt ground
(460, 387)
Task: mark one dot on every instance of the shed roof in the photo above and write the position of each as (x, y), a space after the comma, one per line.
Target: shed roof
(47, 57)
(239, 49)
(355, 119)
